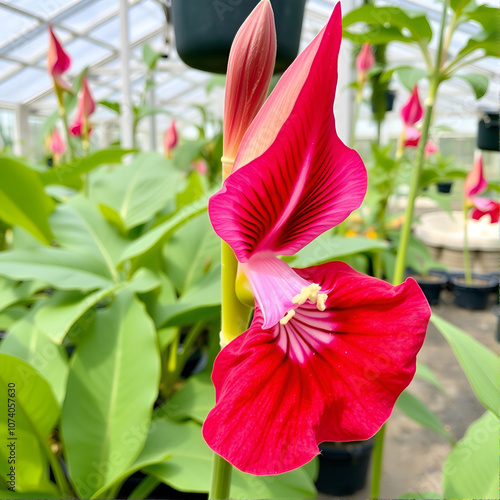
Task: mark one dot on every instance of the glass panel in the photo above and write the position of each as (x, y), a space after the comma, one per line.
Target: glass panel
(13, 25)
(6, 67)
(84, 53)
(23, 85)
(85, 18)
(43, 9)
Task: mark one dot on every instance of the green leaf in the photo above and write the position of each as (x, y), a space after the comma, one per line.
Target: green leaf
(424, 495)
(200, 302)
(64, 308)
(194, 400)
(417, 410)
(23, 201)
(478, 83)
(410, 75)
(484, 41)
(79, 226)
(12, 292)
(144, 280)
(113, 106)
(471, 469)
(139, 190)
(480, 365)
(425, 373)
(153, 236)
(145, 110)
(70, 174)
(112, 386)
(191, 252)
(55, 266)
(327, 248)
(150, 56)
(190, 464)
(36, 414)
(27, 342)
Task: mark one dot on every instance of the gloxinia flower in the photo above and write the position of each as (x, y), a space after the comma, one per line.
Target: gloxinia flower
(86, 106)
(57, 144)
(412, 111)
(331, 375)
(484, 207)
(249, 71)
(57, 63)
(170, 139)
(475, 183)
(412, 138)
(365, 59)
(305, 183)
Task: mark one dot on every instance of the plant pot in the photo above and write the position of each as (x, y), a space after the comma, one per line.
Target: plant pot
(431, 285)
(444, 187)
(488, 132)
(343, 467)
(204, 30)
(390, 96)
(474, 296)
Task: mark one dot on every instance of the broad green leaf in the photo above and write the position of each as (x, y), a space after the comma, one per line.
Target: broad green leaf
(64, 308)
(195, 189)
(425, 373)
(144, 280)
(459, 5)
(188, 152)
(139, 190)
(200, 302)
(410, 75)
(27, 342)
(380, 17)
(480, 365)
(380, 35)
(327, 248)
(424, 495)
(166, 336)
(190, 464)
(471, 469)
(79, 226)
(36, 414)
(153, 236)
(55, 266)
(194, 400)
(70, 174)
(157, 301)
(23, 201)
(486, 16)
(112, 386)
(191, 252)
(478, 83)
(12, 292)
(145, 110)
(484, 41)
(150, 56)
(417, 410)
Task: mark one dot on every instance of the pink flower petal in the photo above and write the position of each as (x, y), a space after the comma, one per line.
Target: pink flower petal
(485, 206)
(318, 61)
(57, 60)
(57, 144)
(86, 106)
(431, 148)
(170, 138)
(324, 376)
(475, 183)
(274, 285)
(412, 111)
(412, 137)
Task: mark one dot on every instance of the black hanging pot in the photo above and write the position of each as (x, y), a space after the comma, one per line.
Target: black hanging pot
(343, 467)
(444, 187)
(475, 295)
(205, 29)
(488, 132)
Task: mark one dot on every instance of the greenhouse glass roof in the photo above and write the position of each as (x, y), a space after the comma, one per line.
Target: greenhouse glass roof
(90, 33)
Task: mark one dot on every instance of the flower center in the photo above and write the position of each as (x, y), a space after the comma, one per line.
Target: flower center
(310, 293)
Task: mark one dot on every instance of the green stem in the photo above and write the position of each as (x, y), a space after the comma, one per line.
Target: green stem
(378, 450)
(467, 267)
(64, 118)
(145, 487)
(61, 481)
(221, 479)
(355, 116)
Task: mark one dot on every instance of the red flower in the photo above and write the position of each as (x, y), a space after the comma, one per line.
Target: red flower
(412, 111)
(365, 59)
(58, 62)
(170, 139)
(329, 350)
(86, 106)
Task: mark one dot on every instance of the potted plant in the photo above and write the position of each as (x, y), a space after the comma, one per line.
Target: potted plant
(204, 30)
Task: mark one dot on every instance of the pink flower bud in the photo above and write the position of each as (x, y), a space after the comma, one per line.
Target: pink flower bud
(365, 59)
(57, 144)
(249, 71)
(431, 148)
(86, 106)
(57, 62)
(170, 139)
(475, 183)
(412, 111)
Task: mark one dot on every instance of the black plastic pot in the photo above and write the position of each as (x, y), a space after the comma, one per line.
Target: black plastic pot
(205, 29)
(474, 296)
(444, 187)
(390, 96)
(343, 467)
(432, 284)
(488, 132)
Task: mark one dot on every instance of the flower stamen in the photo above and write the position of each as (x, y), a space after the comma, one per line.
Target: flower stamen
(311, 293)
(287, 317)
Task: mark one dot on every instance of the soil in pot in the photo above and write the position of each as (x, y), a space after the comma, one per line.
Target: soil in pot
(343, 467)
(431, 284)
(476, 294)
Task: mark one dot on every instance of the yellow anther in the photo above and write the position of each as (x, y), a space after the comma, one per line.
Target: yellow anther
(311, 293)
(287, 317)
(321, 303)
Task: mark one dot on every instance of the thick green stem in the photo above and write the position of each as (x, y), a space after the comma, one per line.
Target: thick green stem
(467, 267)
(377, 463)
(221, 479)
(145, 487)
